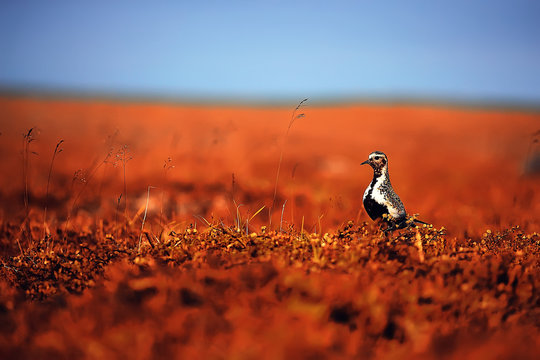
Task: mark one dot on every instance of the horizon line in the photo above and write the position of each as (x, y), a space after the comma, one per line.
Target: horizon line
(271, 101)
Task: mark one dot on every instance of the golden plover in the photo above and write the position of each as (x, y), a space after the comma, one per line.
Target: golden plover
(380, 199)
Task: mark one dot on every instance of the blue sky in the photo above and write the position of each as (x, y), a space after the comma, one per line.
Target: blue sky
(469, 50)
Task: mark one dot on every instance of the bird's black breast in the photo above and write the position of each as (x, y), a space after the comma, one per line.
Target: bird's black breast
(373, 208)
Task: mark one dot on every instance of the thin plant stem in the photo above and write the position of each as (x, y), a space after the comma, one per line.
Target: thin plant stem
(122, 155)
(161, 202)
(144, 217)
(294, 116)
(85, 181)
(320, 226)
(282, 211)
(168, 165)
(248, 220)
(293, 192)
(116, 215)
(238, 216)
(27, 139)
(57, 150)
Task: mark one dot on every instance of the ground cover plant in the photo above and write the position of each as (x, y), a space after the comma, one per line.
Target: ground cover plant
(159, 231)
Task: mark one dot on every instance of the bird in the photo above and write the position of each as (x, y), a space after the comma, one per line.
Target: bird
(380, 200)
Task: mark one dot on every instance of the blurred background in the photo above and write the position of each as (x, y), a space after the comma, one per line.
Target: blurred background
(196, 94)
(468, 51)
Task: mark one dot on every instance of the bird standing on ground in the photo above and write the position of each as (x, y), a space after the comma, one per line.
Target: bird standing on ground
(380, 199)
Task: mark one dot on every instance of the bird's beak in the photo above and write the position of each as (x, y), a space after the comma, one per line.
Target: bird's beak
(365, 162)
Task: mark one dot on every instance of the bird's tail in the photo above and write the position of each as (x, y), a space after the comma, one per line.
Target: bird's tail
(416, 221)
(409, 221)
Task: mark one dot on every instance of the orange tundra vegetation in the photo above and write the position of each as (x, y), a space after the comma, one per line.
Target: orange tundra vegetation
(142, 230)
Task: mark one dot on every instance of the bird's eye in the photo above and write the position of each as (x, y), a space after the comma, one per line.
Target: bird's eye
(377, 158)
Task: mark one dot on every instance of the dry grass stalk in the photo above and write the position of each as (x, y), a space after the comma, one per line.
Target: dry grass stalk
(57, 150)
(281, 221)
(144, 218)
(79, 175)
(123, 157)
(166, 167)
(28, 138)
(294, 116)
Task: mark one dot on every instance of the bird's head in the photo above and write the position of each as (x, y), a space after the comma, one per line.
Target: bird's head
(378, 161)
